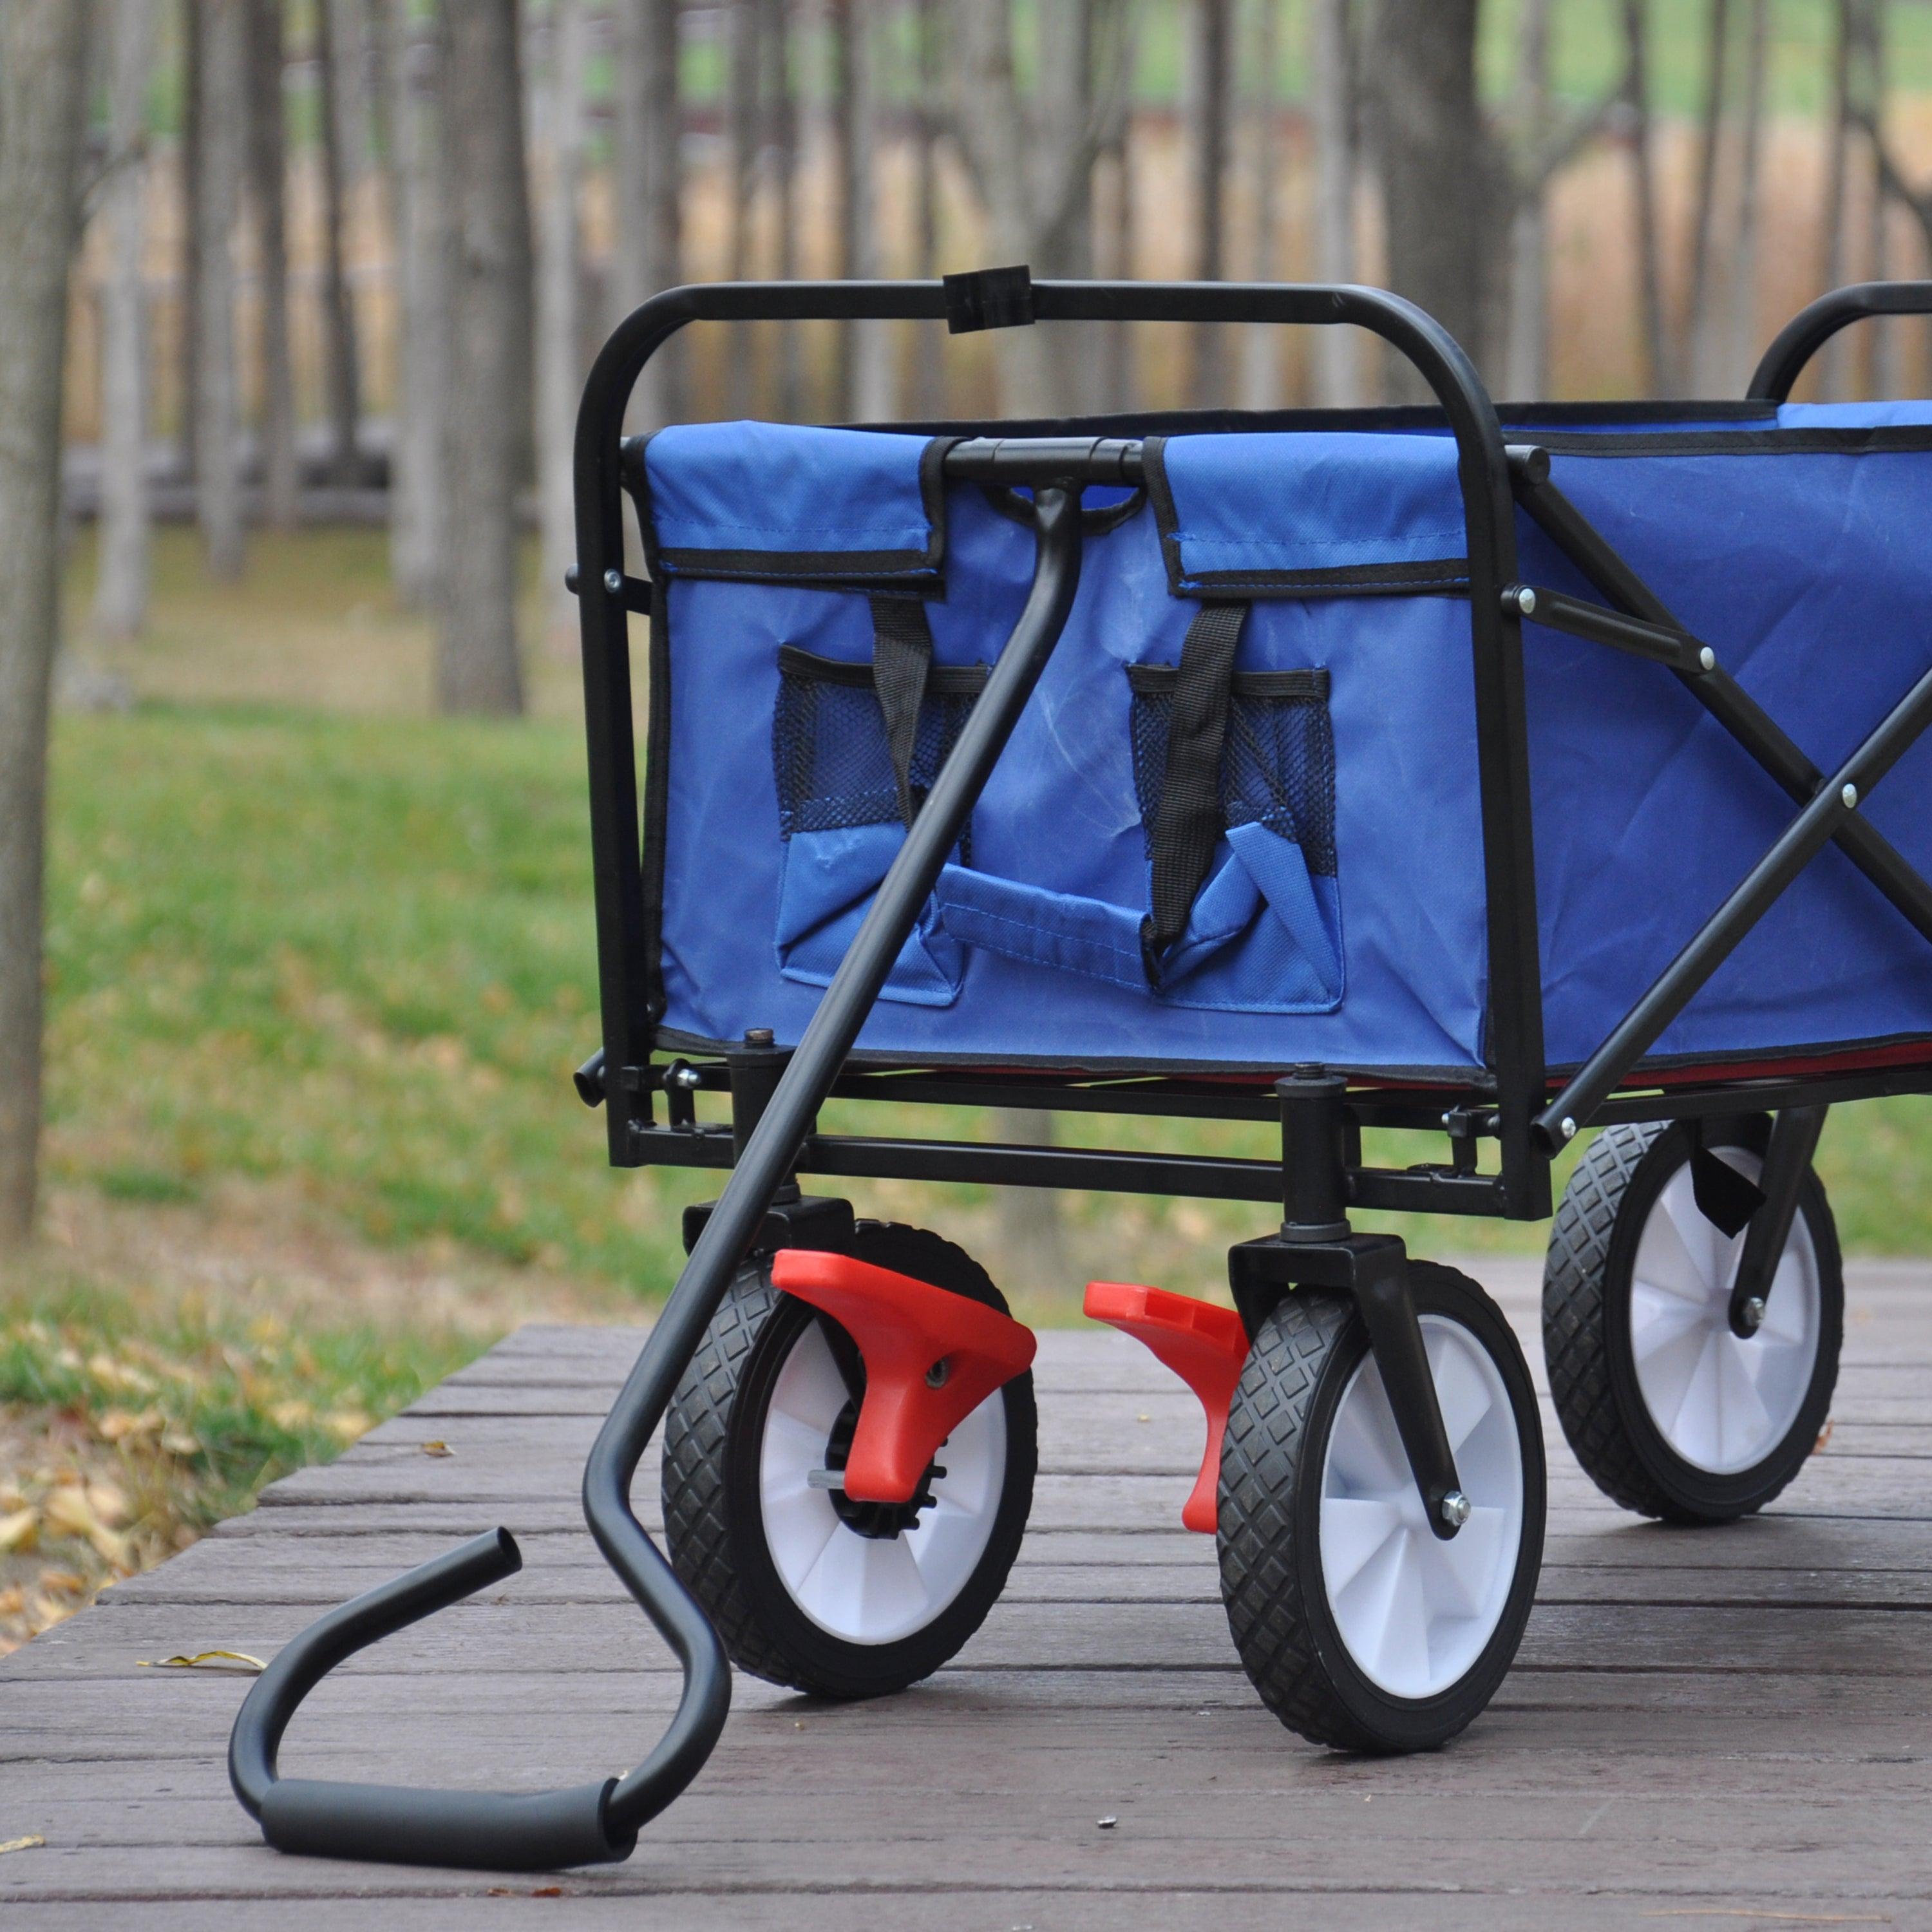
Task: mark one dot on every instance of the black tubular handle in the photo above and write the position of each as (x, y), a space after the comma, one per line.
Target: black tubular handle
(1811, 328)
(596, 1822)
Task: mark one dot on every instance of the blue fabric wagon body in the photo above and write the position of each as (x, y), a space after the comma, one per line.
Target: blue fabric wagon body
(1343, 919)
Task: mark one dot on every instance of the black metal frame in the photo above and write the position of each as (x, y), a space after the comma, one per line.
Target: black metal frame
(776, 1094)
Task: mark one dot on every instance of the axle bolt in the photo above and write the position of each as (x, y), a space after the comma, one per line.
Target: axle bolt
(939, 1374)
(1753, 1313)
(1526, 601)
(1456, 1508)
(1567, 1127)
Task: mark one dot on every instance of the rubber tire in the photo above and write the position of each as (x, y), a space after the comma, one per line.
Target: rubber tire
(713, 1528)
(1586, 1282)
(1272, 1461)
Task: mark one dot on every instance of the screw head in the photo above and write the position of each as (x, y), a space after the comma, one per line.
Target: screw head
(1753, 1313)
(1567, 1127)
(614, 582)
(687, 1078)
(1526, 601)
(1456, 1508)
(758, 1036)
(1707, 659)
(1850, 796)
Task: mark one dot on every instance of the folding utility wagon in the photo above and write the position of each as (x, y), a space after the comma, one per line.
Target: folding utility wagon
(1497, 778)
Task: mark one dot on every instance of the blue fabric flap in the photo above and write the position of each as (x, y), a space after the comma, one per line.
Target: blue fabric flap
(1308, 514)
(754, 500)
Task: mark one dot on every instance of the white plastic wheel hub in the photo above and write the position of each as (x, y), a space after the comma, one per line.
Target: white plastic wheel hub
(868, 1589)
(1414, 1609)
(1721, 1401)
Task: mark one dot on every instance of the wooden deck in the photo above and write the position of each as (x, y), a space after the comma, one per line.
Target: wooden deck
(1730, 1725)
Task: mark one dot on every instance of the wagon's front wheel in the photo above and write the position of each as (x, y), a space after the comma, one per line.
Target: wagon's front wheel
(1360, 1627)
(1670, 1412)
(807, 1587)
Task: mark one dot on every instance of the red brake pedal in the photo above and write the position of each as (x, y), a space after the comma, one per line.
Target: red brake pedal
(905, 1328)
(1204, 1344)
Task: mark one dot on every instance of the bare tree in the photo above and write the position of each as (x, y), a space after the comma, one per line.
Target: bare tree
(121, 583)
(1331, 67)
(1260, 348)
(268, 172)
(1210, 72)
(188, 353)
(870, 389)
(1643, 191)
(486, 205)
(1741, 329)
(742, 145)
(1439, 177)
(559, 305)
(342, 381)
(1032, 161)
(929, 369)
(779, 80)
(1526, 357)
(1116, 362)
(43, 65)
(1695, 334)
(217, 410)
(649, 182)
(415, 476)
(1882, 338)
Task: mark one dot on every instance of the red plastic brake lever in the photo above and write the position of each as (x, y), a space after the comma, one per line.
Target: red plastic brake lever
(906, 1330)
(1205, 1345)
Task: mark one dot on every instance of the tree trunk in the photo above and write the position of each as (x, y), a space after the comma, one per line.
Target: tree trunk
(1331, 68)
(187, 364)
(268, 179)
(42, 66)
(1261, 348)
(1694, 353)
(218, 413)
(1031, 1228)
(1882, 338)
(1643, 190)
(120, 583)
(1437, 174)
(929, 399)
(873, 389)
(1212, 58)
(1833, 359)
(560, 309)
(416, 480)
(1118, 385)
(1526, 355)
(1742, 323)
(741, 143)
(650, 180)
(780, 82)
(341, 361)
(487, 207)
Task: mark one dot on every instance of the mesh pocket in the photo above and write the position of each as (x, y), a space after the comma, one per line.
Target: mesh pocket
(1277, 759)
(830, 754)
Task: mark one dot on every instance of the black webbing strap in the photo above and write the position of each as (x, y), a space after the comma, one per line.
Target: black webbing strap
(901, 656)
(1190, 820)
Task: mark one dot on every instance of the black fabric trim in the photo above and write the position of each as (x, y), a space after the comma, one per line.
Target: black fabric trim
(1158, 680)
(944, 680)
(656, 802)
(854, 569)
(1448, 574)
(901, 665)
(1017, 508)
(1190, 820)
(1898, 439)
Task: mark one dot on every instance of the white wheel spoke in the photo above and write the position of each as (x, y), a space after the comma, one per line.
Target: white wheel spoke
(1657, 1320)
(1462, 1569)
(1745, 1419)
(1353, 1530)
(1365, 1453)
(811, 1391)
(1403, 1652)
(1460, 1390)
(1699, 1243)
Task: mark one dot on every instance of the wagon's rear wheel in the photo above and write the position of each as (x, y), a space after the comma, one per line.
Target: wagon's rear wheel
(808, 1588)
(1359, 1626)
(1670, 1412)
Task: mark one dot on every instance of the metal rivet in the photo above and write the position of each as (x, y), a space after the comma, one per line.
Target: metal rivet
(1567, 1129)
(1526, 601)
(687, 1078)
(614, 582)
(1707, 659)
(1753, 1313)
(758, 1036)
(1456, 1509)
(1850, 796)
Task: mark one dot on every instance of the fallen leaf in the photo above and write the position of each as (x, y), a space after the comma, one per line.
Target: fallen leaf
(1824, 1436)
(438, 1448)
(25, 1844)
(109, 1504)
(548, 1891)
(346, 1424)
(20, 1530)
(291, 1415)
(1106, 1824)
(201, 1657)
(179, 1442)
(116, 1425)
(70, 1509)
(65, 1583)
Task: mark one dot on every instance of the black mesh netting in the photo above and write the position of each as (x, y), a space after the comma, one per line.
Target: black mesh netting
(830, 757)
(1277, 767)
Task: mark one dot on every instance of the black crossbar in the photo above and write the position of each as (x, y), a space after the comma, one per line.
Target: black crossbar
(1714, 688)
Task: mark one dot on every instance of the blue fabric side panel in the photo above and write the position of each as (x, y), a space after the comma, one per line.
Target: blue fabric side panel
(1809, 574)
(1060, 814)
(1260, 504)
(825, 890)
(1855, 415)
(776, 490)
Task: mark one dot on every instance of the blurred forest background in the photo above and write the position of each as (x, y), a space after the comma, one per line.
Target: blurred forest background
(320, 281)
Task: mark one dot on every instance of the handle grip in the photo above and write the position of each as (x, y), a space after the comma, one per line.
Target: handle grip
(1811, 328)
